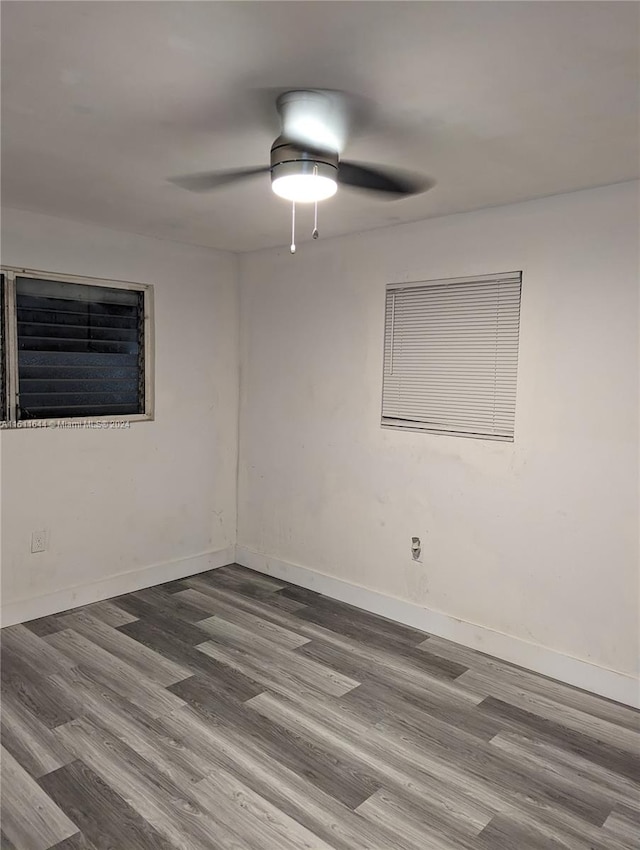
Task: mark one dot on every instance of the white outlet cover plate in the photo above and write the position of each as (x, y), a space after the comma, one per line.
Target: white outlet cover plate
(38, 541)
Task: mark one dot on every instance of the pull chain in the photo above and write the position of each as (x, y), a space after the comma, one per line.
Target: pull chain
(293, 227)
(315, 209)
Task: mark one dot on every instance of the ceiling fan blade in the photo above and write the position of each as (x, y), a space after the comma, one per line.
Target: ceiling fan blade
(207, 180)
(386, 180)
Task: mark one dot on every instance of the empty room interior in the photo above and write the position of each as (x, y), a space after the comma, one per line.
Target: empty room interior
(319, 419)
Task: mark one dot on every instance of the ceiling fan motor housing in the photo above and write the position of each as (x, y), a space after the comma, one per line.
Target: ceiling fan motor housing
(288, 159)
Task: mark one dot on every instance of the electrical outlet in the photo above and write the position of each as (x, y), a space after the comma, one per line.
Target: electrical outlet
(416, 549)
(39, 541)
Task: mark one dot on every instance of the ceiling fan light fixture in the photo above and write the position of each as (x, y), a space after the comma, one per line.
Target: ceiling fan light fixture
(314, 117)
(304, 181)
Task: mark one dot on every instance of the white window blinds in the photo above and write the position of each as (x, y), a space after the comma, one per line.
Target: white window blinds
(451, 355)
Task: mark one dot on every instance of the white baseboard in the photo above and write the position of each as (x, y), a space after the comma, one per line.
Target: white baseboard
(72, 597)
(573, 671)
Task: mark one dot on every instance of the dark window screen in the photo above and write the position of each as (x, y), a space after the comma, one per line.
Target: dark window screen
(80, 349)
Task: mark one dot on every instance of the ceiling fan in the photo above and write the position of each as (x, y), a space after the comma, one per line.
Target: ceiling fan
(306, 164)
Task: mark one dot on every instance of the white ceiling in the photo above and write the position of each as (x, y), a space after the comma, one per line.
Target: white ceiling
(498, 101)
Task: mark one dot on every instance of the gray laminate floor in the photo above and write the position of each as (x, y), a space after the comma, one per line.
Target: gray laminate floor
(230, 711)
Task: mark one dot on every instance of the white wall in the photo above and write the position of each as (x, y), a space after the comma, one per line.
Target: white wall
(535, 544)
(536, 540)
(125, 508)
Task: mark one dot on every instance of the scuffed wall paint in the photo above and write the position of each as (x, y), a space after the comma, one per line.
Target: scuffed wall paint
(537, 539)
(116, 501)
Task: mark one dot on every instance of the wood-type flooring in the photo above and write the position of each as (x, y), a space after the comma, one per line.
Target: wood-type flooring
(231, 711)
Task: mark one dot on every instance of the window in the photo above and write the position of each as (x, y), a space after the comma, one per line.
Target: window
(451, 356)
(76, 348)
(3, 359)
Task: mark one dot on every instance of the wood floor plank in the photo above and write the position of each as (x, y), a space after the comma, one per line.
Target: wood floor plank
(28, 740)
(407, 669)
(504, 672)
(107, 710)
(30, 819)
(322, 765)
(168, 605)
(395, 764)
(575, 769)
(274, 636)
(159, 617)
(232, 711)
(275, 601)
(569, 717)
(6, 844)
(34, 650)
(416, 824)
(285, 638)
(173, 586)
(354, 623)
(269, 583)
(384, 698)
(599, 752)
(478, 760)
(104, 818)
(412, 772)
(505, 834)
(33, 690)
(243, 581)
(76, 842)
(170, 810)
(369, 624)
(255, 819)
(152, 664)
(289, 789)
(274, 608)
(109, 613)
(43, 625)
(115, 673)
(412, 666)
(226, 678)
(238, 638)
(623, 826)
(279, 678)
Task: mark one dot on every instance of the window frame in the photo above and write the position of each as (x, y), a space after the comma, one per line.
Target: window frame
(4, 357)
(11, 347)
(388, 423)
